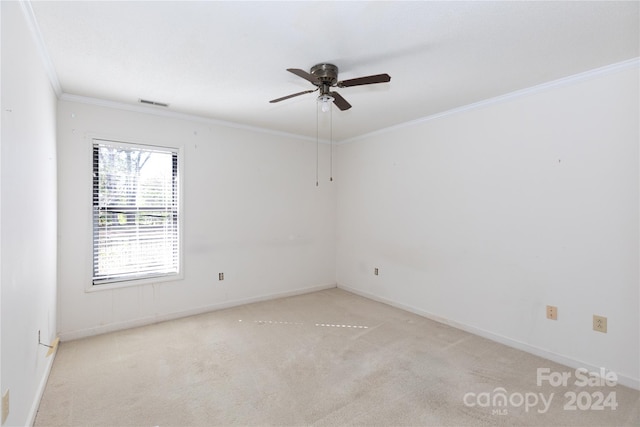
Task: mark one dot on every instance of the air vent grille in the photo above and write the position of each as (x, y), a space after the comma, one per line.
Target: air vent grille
(148, 102)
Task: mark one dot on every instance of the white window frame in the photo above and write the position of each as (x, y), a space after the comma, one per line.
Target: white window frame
(116, 143)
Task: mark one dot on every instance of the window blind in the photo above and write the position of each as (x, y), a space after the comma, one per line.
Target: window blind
(135, 212)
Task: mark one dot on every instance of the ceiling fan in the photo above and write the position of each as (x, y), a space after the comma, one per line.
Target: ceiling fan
(325, 76)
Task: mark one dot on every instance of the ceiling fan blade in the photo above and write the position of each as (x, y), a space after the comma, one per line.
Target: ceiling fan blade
(301, 73)
(291, 96)
(378, 78)
(340, 102)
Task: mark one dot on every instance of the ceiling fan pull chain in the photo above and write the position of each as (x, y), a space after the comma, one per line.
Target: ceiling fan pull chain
(317, 141)
(324, 77)
(331, 145)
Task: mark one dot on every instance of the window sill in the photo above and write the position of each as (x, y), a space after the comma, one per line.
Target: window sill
(134, 282)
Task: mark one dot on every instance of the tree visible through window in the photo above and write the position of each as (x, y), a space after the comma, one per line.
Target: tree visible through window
(135, 212)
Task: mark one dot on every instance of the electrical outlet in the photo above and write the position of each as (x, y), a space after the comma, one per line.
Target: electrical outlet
(375, 271)
(220, 276)
(599, 323)
(552, 312)
(5, 406)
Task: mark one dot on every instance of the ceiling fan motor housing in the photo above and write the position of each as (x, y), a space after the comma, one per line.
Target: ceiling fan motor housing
(326, 73)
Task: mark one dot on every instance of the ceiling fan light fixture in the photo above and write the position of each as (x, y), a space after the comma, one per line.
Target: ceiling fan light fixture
(325, 102)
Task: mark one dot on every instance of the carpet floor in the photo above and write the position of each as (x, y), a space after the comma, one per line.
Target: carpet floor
(324, 358)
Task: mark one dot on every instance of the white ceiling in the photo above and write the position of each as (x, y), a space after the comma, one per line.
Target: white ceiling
(226, 60)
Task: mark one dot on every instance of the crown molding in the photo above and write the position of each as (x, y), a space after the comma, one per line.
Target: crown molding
(32, 23)
(161, 111)
(564, 81)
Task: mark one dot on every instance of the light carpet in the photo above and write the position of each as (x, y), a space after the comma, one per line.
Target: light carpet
(324, 358)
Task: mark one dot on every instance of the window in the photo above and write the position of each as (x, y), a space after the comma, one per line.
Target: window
(135, 212)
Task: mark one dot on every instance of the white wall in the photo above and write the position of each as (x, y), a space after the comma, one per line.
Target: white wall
(483, 217)
(251, 210)
(28, 217)
(1, 109)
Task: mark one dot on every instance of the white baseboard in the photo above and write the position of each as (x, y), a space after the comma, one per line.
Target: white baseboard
(134, 323)
(31, 417)
(558, 358)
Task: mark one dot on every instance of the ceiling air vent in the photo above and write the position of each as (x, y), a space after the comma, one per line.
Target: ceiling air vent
(157, 104)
